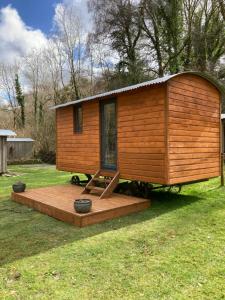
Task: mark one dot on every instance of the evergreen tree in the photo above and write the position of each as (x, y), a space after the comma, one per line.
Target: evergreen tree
(20, 100)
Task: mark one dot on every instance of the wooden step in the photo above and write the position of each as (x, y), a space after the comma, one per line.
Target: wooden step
(102, 180)
(104, 192)
(95, 188)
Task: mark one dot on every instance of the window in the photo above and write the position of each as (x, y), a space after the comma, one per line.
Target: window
(78, 118)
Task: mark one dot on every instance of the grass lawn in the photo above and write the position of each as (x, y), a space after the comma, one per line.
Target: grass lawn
(174, 250)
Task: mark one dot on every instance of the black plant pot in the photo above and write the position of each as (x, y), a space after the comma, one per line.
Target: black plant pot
(82, 205)
(19, 187)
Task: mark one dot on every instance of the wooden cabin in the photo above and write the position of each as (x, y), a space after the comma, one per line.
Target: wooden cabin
(165, 131)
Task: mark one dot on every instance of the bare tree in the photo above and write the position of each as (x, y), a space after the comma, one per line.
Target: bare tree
(102, 57)
(59, 57)
(33, 73)
(54, 62)
(37, 73)
(7, 85)
(69, 32)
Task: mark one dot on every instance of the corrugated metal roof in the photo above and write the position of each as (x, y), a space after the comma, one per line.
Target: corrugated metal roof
(118, 91)
(137, 86)
(5, 132)
(19, 140)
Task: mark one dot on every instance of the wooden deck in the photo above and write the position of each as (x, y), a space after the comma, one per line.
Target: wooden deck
(57, 202)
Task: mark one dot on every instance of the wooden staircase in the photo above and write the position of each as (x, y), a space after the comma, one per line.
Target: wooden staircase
(103, 184)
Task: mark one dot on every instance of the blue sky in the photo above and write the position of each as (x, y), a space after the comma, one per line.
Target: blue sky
(37, 14)
(27, 24)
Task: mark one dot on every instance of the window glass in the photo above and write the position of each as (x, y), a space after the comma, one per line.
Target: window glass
(78, 118)
(109, 135)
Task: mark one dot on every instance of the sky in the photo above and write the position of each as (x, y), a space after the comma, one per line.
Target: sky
(27, 24)
(37, 14)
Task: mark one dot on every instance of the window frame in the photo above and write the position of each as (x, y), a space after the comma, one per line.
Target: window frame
(77, 125)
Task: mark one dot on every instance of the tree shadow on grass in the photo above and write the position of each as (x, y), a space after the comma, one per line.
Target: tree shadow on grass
(25, 232)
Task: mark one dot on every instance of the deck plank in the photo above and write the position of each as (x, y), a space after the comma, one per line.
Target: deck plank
(57, 202)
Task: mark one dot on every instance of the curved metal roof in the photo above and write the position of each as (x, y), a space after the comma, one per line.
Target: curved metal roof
(137, 86)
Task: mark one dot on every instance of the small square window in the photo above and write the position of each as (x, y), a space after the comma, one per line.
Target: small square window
(78, 118)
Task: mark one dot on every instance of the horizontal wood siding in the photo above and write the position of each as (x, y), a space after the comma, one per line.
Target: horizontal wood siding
(141, 135)
(78, 152)
(158, 142)
(193, 129)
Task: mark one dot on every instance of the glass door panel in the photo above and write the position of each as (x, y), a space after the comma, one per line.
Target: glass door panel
(108, 135)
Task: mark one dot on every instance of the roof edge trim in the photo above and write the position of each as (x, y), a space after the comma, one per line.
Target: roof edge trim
(157, 81)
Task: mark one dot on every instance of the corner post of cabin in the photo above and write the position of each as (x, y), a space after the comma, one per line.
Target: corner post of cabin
(166, 132)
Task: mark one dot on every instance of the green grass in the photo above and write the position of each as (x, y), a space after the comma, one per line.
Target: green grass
(174, 250)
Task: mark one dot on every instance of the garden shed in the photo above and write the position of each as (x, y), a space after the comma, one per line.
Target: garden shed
(3, 149)
(19, 149)
(165, 131)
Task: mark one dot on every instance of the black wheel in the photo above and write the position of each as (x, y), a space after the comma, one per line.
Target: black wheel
(75, 180)
(176, 189)
(89, 177)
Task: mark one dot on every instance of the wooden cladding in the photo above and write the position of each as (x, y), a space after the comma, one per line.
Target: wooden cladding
(193, 129)
(78, 152)
(167, 133)
(141, 135)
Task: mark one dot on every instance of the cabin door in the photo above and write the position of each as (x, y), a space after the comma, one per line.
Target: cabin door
(108, 135)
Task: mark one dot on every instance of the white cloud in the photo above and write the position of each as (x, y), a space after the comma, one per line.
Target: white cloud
(80, 7)
(17, 39)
